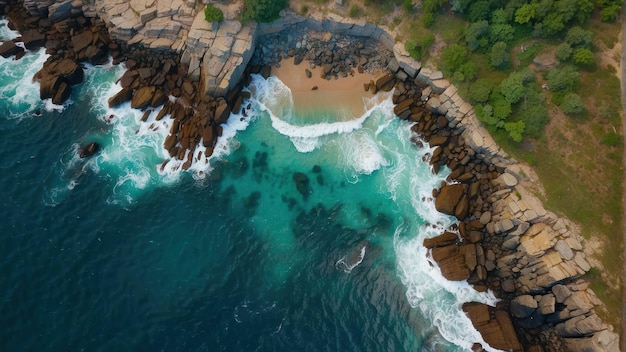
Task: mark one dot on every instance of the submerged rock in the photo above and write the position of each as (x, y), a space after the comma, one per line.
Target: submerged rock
(89, 150)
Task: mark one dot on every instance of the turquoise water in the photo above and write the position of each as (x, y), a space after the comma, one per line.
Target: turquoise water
(295, 234)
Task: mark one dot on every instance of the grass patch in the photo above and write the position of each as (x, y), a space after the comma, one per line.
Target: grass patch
(450, 28)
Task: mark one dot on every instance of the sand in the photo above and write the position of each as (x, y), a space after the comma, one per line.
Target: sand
(341, 93)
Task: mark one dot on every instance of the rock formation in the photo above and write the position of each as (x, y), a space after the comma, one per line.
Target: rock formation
(505, 240)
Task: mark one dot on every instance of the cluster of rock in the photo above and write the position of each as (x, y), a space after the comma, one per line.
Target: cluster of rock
(217, 53)
(69, 42)
(506, 240)
(338, 55)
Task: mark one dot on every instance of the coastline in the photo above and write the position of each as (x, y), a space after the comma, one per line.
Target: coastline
(502, 182)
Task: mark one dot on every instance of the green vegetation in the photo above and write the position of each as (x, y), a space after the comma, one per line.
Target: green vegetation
(213, 14)
(262, 10)
(355, 11)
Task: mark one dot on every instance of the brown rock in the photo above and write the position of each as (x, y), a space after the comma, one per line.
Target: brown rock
(266, 71)
(142, 97)
(209, 136)
(33, 39)
(71, 72)
(9, 48)
(445, 239)
(49, 85)
(89, 150)
(221, 112)
(158, 99)
(96, 55)
(499, 332)
(448, 198)
(120, 97)
(386, 82)
(82, 40)
(62, 93)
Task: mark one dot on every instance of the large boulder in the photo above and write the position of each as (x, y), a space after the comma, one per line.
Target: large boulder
(49, 85)
(71, 72)
(88, 150)
(62, 94)
(33, 39)
(498, 332)
(8, 49)
(523, 306)
(142, 97)
(120, 97)
(448, 198)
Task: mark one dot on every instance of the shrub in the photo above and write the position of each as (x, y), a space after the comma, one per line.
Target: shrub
(515, 130)
(578, 36)
(583, 56)
(213, 14)
(564, 79)
(611, 139)
(480, 90)
(572, 104)
(564, 51)
(355, 11)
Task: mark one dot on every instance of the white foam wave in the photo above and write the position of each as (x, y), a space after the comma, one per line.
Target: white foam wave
(7, 33)
(274, 97)
(18, 90)
(439, 300)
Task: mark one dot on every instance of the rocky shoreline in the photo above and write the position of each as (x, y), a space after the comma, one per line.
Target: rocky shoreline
(505, 241)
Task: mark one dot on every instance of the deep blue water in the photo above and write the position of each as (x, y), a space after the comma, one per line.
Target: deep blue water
(116, 253)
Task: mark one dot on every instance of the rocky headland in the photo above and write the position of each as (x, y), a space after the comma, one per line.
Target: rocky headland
(506, 241)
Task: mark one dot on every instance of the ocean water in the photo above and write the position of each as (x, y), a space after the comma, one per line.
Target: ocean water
(302, 232)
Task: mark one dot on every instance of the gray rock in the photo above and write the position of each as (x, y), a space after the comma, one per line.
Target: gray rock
(578, 300)
(603, 341)
(561, 293)
(547, 304)
(590, 324)
(564, 250)
(523, 306)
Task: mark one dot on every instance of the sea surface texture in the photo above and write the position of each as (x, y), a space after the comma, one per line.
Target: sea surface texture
(302, 233)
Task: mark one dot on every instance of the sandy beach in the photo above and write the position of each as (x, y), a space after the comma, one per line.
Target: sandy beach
(334, 93)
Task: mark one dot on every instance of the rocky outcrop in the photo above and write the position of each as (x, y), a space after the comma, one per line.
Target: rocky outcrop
(529, 256)
(218, 53)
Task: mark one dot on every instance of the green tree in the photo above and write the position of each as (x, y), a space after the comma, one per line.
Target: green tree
(564, 51)
(553, 23)
(515, 130)
(585, 10)
(563, 79)
(577, 36)
(499, 17)
(479, 10)
(480, 90)
(572, 104)
(610, 12)
(512, 87)
(526, 13)
(484, 113)
(499, 55)
(501, 33)
(453, 57)
(213, 14)
(262, 10)
(583, 56)
(501, 108)
(475, 35)
(533, 112)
